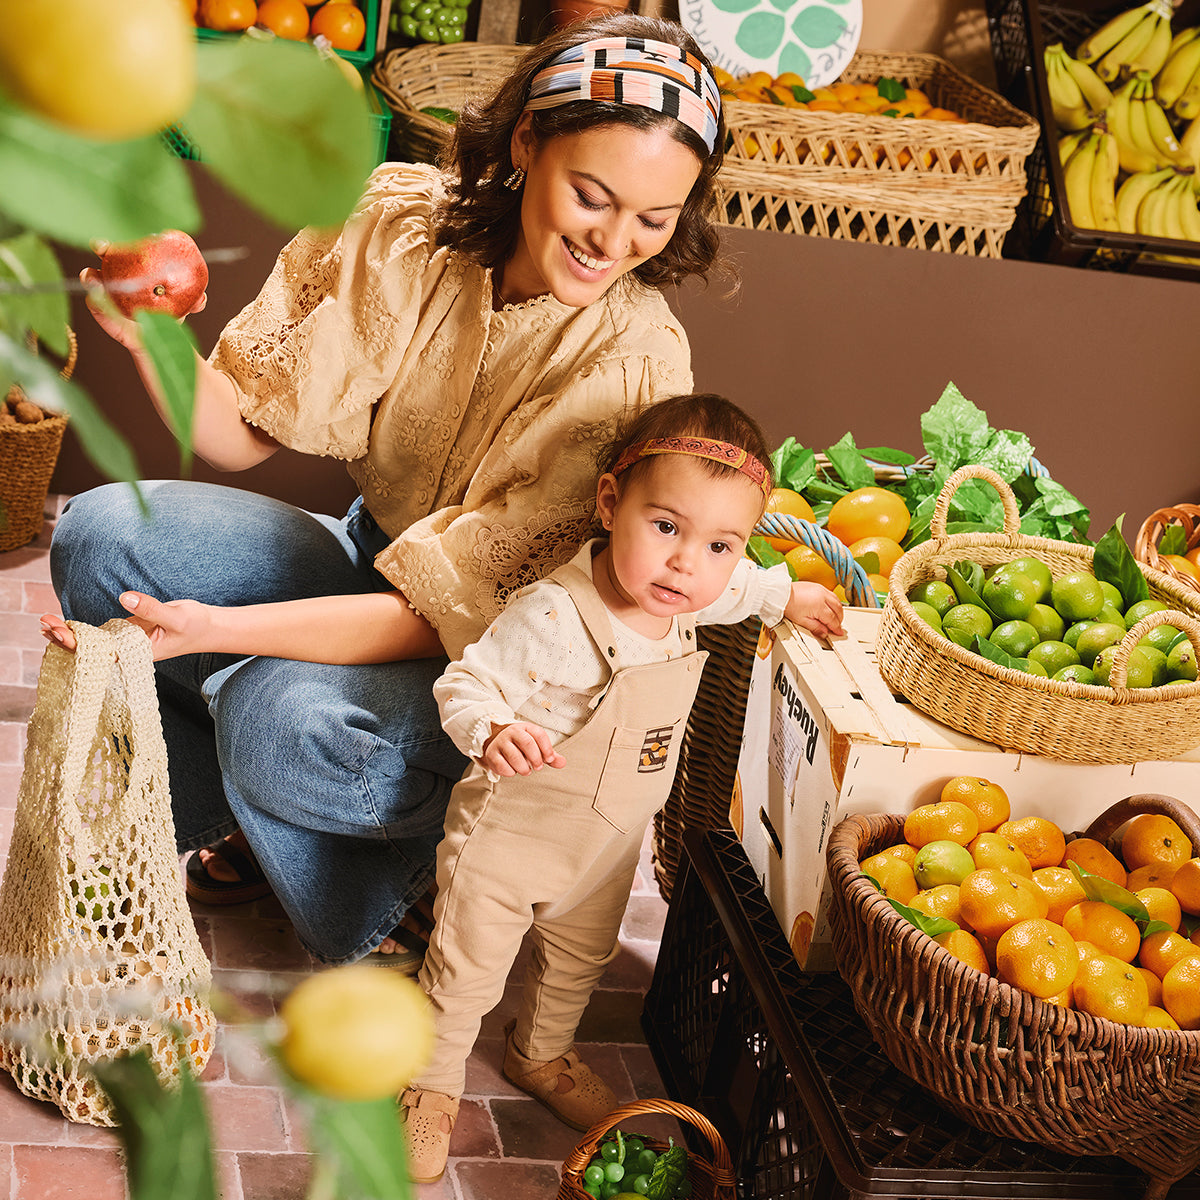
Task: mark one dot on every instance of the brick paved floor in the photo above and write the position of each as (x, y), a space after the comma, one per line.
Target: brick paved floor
(505, 1143)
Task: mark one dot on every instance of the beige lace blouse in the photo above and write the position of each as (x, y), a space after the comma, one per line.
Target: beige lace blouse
(473, 435)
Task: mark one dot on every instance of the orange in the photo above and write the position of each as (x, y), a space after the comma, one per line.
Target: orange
(789, 79)
(1185, 883)
(1040, 839)
(1095, 857)
(1064, 999)
(801, 936)
(1183, 565)
(284, 18)
(1161, 951)
(1062, 888)
(227, 15)
(868, 512)
(992, 850)
(789, 504)
(757, 79)
(895, 878)
(1152, 839)
(1109, 988)
(1153, 984)
(992, 901)
(341, 22)
(942, 821)
(1181, 993)
(1161, 905)
(966, 948)
(1193, 556)
(1106, 927)
(1037, 956)
(901, 850)
(884, 548)
(1155, 875)
(808, 566)
(1159, 1018)
(940, 901)
(879, 583)
(988, 800)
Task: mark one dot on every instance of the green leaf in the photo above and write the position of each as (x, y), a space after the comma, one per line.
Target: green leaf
(442, 114)
(171, 347)
(989, 650)
(1096, 887)
(1113, 563)
(849, 463)
(934, 926)
(954, 431)
(25, 262)
(1007, 453)
(77, 191)
(964, 586)
(823, 489)
(869, 562)
(281, 129)
(885, 454)
(763, 552)
(1173, 540)
(892, 89)
(358, 1144)
(802, 93)
(1152, 927)
(168, 1152)
(793, 466)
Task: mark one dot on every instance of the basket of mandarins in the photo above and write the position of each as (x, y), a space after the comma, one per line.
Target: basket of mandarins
(1122, 716)
(1169, 541)
(1043, 1043)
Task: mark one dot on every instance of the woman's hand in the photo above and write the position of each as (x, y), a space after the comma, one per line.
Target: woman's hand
(816, 609)
(519, 749)
(120, 329)
(175, 628)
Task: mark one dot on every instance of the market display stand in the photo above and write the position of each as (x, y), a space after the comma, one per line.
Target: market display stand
(780, 1062)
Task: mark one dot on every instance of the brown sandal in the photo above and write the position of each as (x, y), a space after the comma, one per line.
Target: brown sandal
(584, 1100)
(428, 1118)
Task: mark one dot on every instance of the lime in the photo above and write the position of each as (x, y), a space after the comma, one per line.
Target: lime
(1015, 637)
(1077, 596)
(1158, 663)
(1053, 656)
(928, 614)
(1049, 625)
(937, 593)
(1139, 672)
(942, 862)
(969, 619)
(1112, 595)
(1181, 663)
(1093, 639)
(1161, 637)
(1143, 608)
(1111, 615)
(1073, 632)
(1030, 667)
(1011, 596)
(1032, 568)
(1075, 673)
(960, 637)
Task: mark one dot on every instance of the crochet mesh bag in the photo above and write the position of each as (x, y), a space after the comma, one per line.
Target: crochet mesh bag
(99, 955)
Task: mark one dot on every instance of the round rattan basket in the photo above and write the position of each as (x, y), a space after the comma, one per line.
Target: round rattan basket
(711, 1176)
(998, 1057)
(432, 76)
(1187, 516)
(1071, 721)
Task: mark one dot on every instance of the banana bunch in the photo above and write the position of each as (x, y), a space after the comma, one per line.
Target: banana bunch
(1178, 83)
(1189, 151)
(1090, 180)
(1138, 39)
(1145, 139)
(1159, 204)
(1077, 93)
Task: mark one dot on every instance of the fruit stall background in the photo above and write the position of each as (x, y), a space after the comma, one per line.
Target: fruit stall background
(1099, 369)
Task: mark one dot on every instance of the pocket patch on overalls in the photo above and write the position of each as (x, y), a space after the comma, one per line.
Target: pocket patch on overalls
(655, 749)
(634, 782)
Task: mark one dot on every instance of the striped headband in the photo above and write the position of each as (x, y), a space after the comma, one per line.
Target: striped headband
(633, 70)
(698, 447)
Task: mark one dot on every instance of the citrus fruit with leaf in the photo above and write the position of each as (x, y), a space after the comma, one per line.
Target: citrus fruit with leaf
(1109, 988)
(939, 901)
(887, 551)
(895, 878)
(991, 849)
(1161, 905)
(1112, 596)
(1096, 858)
(1049, 625)
(941, 862)
(1105, 926)
(1010, 597)
(1154, 839)
(1016, 638)
(1041, 840)
(105, 71)
(968, 619)
(1037, 956)
(1077, 596)
(987, 800)
(944, 820)
(356, 1032)
(1062, 889)
(937, 593)
(868, 512)
(1181, 993)
(1053, 656)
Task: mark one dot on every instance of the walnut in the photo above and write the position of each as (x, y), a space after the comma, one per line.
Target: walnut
(28, 413)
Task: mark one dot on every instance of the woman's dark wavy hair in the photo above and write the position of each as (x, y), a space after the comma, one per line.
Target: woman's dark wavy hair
(481, 217)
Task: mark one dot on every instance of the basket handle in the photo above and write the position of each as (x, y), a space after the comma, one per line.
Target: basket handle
(849, 572)
(1012, 514)
(1118, 673)
(1113, 817)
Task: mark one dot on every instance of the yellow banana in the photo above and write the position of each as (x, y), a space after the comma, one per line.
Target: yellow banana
(1187, 107)
(1179, 68)
(1095, 91)
(1155, 51)
(1109, 34)
(1161, 134)
(1118, 119)
(1067, 144)
(1067, 102)
(1103, 183)
(1150, 221)
(1189, 145)
(1189, 213)
(1185, 35)
(1131, 194)
(1114, 64)
(1172, 212)
(1077, 182)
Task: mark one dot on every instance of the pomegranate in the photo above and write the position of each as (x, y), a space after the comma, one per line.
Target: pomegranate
(166, 273)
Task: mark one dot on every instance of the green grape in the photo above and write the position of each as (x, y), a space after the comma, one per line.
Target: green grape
(427, 31)
(633, 1144)
(614, 1172)
(408, 26)
(593, 1173)
(593, 1190)
(451, 33)
(406, 6)
(609, 1152)
(641, 1184)
(608, 1190)
(645, 1161)
(425, 9)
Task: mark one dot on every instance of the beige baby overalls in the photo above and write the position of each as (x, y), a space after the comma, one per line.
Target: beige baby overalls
(555, 850)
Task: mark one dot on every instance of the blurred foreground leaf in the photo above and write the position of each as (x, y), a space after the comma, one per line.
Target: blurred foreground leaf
(360, 1148)
(25, 261)
(172, 349)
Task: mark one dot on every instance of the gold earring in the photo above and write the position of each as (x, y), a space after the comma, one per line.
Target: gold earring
(514, 181)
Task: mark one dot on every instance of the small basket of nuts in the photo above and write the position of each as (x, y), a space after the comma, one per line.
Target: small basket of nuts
(30, 438)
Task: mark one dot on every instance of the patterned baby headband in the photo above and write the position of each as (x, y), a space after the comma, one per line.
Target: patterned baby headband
(697, 447)
(632, 70)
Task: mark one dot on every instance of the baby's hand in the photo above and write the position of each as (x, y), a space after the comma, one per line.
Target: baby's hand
(518, 749)
(816, 609)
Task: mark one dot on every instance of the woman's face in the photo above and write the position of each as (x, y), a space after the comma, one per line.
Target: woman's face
(594, 206)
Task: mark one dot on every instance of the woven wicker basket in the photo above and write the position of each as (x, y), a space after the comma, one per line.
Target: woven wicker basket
(431, 76)
(1155, 525)
(1017, 711)
(1001, 1059)
(711, 1177)
(935, 185)
(28, 454)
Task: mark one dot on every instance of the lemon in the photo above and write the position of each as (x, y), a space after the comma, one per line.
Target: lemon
(1075, 673)
(1049, 625)
(942, 862)
(1095, 638)
(937, 593)
(106, 71)
(1053, 656)
(1015, 637)
(1077, 596)
(1010, 596)
(928, 614)
(968, 619)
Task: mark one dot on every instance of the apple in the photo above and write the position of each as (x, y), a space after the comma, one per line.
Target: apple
(166, 273)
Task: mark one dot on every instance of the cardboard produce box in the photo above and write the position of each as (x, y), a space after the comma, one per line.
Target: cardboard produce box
(825, 738)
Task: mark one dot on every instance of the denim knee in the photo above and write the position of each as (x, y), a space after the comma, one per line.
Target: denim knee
(85, 552)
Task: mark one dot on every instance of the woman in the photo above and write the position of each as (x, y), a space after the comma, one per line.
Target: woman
(467, 343)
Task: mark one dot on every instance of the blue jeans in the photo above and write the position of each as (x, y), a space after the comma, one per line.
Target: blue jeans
(339, 776)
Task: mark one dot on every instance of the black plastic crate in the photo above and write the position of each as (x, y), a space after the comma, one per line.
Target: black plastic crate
(780, 1062)
(1020, 31)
